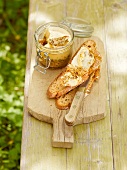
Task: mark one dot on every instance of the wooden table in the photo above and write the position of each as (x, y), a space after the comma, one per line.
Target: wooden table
(100, 145)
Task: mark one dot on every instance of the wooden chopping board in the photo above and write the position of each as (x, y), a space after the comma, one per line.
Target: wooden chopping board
(44, 109)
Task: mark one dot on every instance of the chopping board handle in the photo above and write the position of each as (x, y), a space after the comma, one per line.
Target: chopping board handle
(62, 133)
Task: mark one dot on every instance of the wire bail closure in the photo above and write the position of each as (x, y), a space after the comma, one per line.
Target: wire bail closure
(38, 66)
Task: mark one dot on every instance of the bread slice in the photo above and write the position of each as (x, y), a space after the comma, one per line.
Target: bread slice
(85, 61)
(64, 102)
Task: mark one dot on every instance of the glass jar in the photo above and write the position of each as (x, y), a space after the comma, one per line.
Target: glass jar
(54, 44)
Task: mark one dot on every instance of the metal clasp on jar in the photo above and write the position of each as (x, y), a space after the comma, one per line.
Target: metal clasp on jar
(38, 66)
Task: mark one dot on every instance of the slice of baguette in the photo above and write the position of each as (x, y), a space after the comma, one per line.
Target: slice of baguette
(59, 87)
(64, 102)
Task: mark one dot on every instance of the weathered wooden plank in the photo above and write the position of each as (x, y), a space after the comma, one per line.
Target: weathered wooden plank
(92, 147)
(26, 118)
(116, 42)
(92, 11)
(93, 142)
(36, 151)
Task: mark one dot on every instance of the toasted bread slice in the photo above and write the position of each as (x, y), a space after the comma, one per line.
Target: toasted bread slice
(64, 102)
(85, 61)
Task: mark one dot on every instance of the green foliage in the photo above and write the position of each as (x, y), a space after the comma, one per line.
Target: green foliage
(13, 31)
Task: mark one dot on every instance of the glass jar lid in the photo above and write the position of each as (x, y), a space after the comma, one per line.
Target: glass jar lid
(80, 27)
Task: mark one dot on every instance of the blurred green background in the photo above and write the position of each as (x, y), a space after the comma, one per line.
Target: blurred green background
(13, 37)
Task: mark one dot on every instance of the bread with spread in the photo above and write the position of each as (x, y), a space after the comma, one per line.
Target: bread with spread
(64, 102)
(84, 62)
